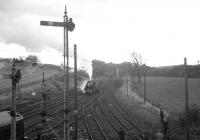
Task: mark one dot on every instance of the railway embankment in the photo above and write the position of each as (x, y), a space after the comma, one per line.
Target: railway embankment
(146, 115)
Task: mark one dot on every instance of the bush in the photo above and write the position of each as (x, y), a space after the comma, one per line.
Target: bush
(111, 84)
(114, 83)
(194, 116)
(117, 83)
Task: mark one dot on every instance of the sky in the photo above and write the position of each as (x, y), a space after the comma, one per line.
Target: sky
(163, 32)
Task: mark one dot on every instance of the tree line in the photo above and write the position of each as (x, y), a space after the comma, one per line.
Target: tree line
(29, 60)
(136, 67)
(102, 69)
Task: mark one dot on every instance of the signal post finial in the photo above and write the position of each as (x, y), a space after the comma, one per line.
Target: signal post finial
(65, 10)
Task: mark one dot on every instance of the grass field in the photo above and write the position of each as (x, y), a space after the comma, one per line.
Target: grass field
(169, 93)
(31, 82)
(29, 74)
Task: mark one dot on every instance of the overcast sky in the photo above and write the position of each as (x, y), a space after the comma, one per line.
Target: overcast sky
(162, 31)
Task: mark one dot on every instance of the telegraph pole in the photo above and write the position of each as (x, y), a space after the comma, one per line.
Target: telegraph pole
(64, 98)
(117, 72)
(75, 92)
(13, 110)
(68, 26)
(144, 84)
(67, 50)
(127, 78)
(186, 99)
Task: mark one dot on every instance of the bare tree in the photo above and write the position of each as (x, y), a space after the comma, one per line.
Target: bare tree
(137, 62)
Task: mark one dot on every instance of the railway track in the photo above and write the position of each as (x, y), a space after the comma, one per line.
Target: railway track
(116, 120)
(32, 113)
(58, 127)
(94, 128)
(35, 109)
(80, 113)
(141, 125)
(102, 121)
(33, 121)
(111, 117)
(101, 115)
(129, 119)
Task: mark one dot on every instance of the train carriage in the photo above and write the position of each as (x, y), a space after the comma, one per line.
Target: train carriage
(5, 126)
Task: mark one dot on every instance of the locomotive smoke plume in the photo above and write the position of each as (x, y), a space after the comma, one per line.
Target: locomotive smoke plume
(86, 65)
(89, 70)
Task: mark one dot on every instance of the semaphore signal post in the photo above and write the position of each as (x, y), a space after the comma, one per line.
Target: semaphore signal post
(68, 25)
(15, 76)
(186, 100)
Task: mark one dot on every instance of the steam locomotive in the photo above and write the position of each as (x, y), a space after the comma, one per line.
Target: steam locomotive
(5, 126)
(91, 88)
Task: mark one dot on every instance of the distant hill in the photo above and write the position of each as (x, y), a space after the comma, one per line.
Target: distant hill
(175, 71)
(100, 68)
